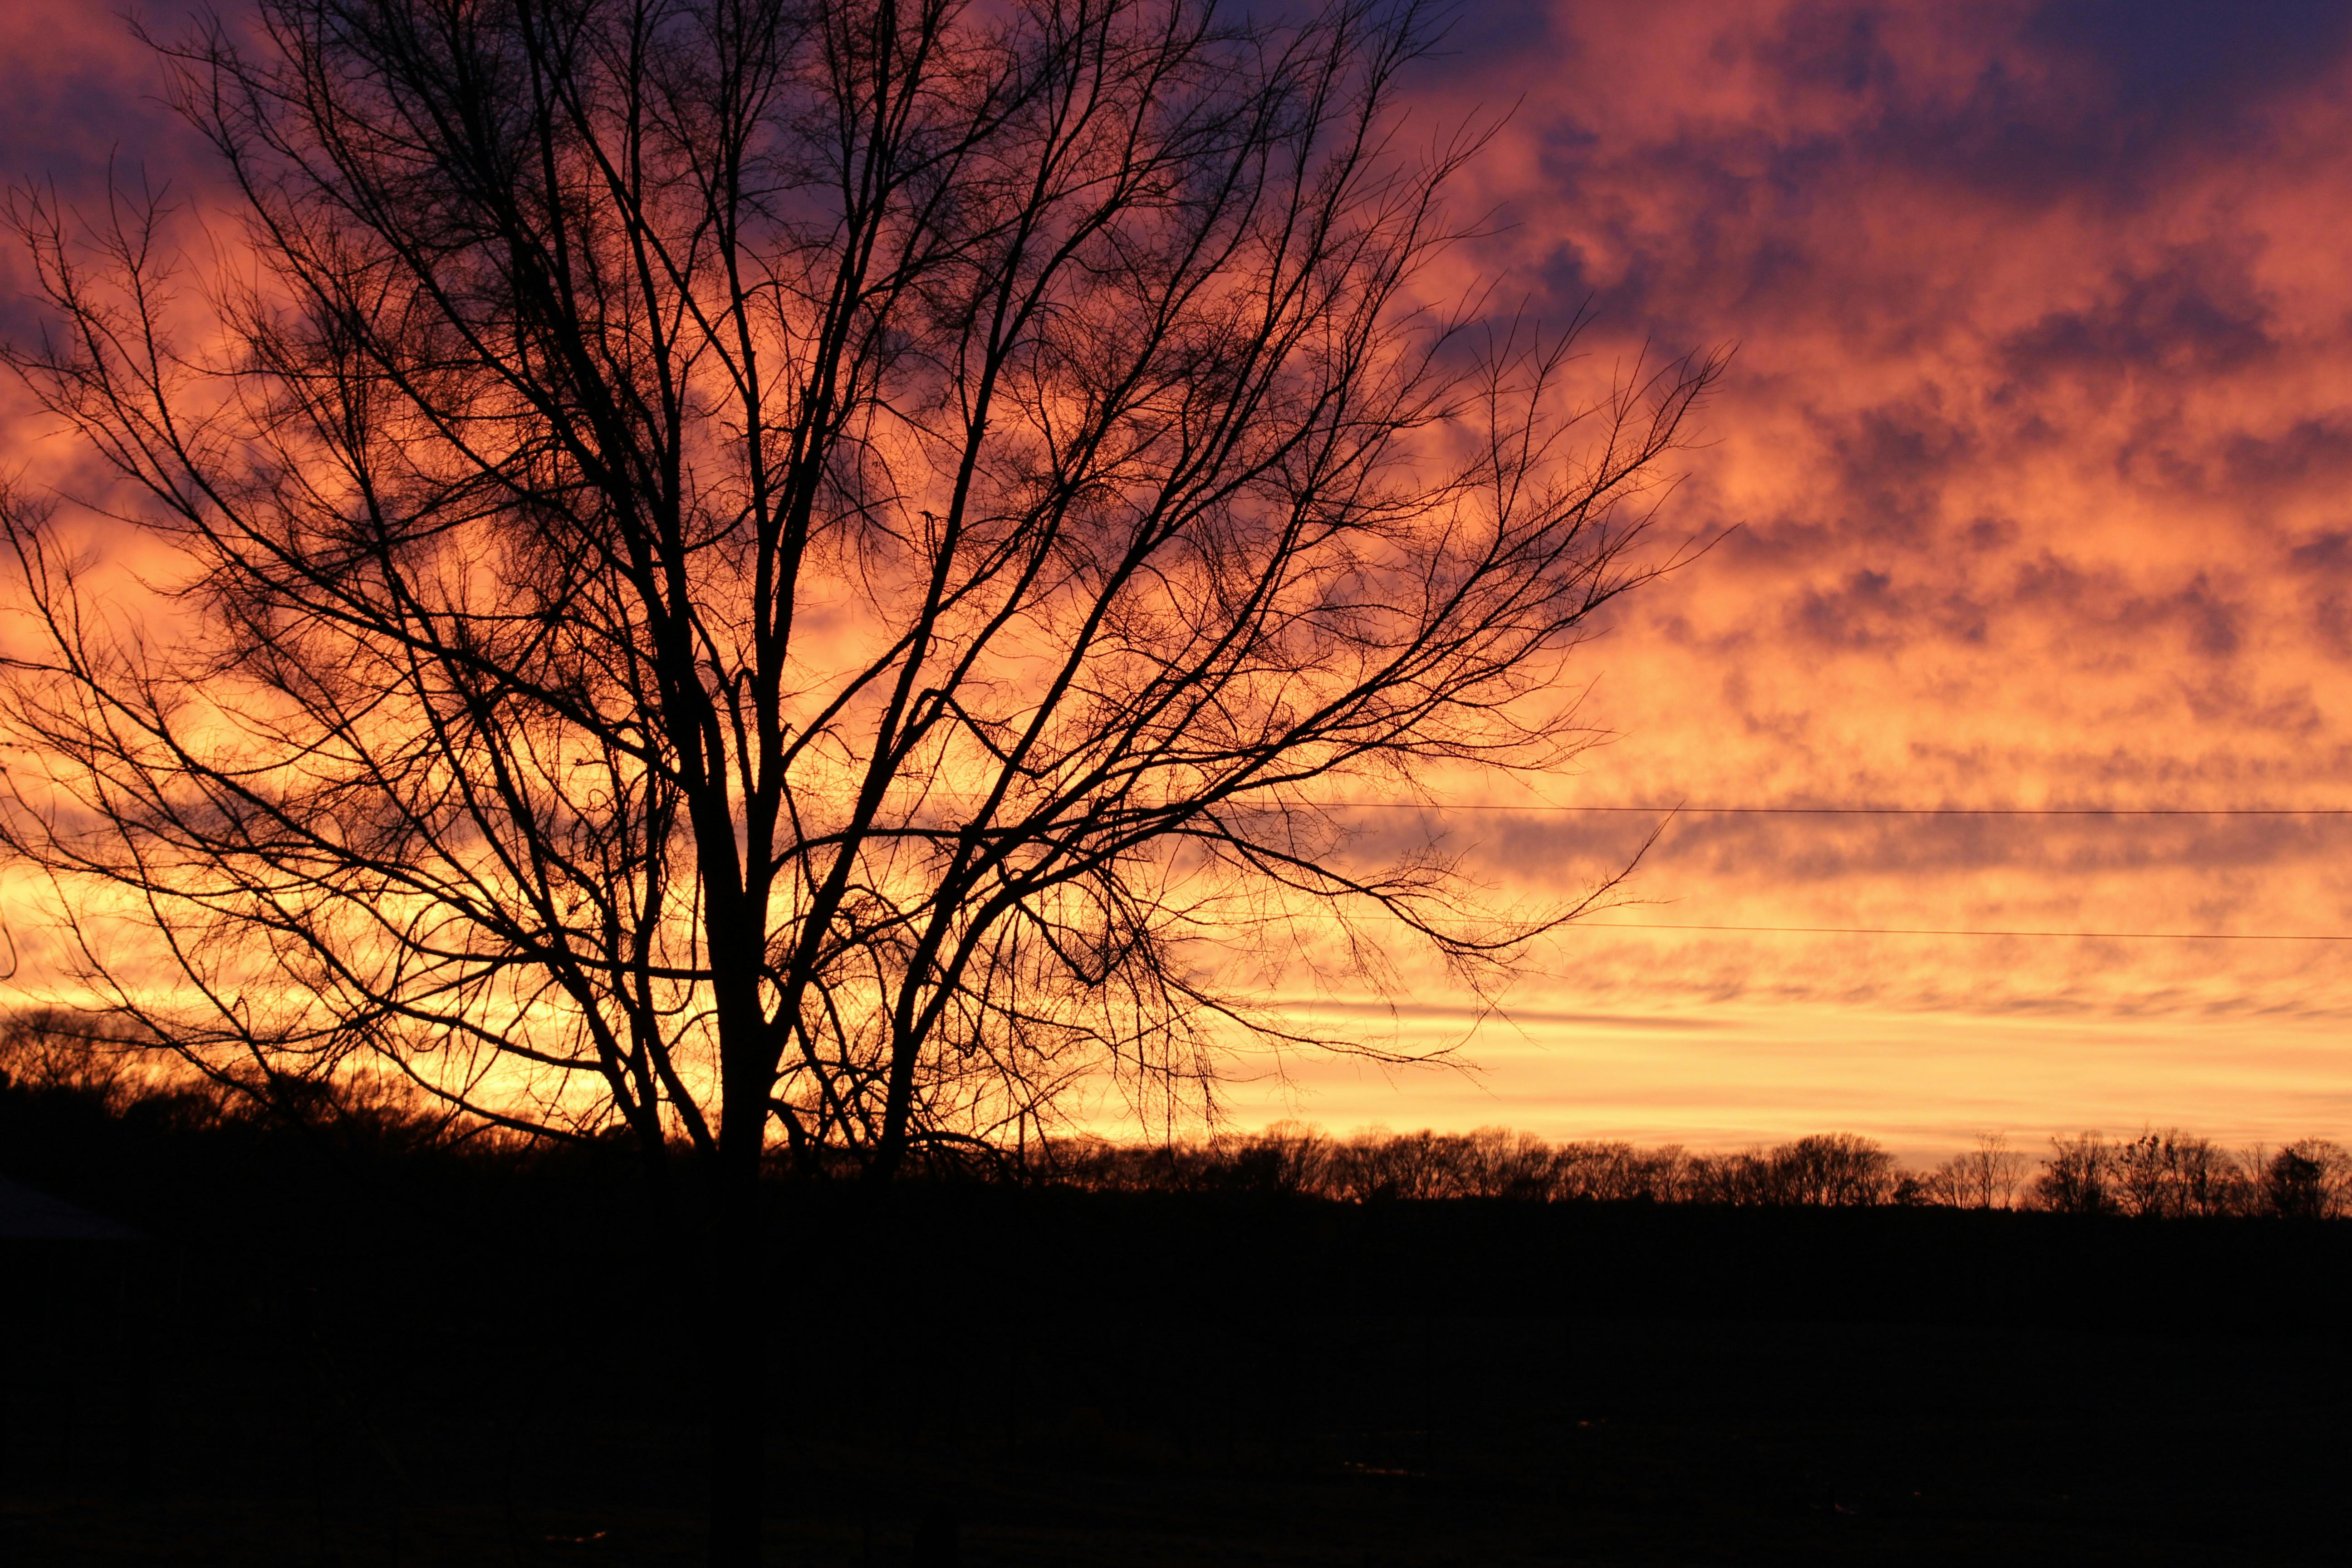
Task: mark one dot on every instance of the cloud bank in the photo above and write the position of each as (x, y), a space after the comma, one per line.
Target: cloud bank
(2032, 462)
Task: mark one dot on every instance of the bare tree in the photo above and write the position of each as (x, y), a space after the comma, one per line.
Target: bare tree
(1501, 1164)
(1613, 1171)
(1984, 1177)
(1839, 1169)
(2172, 1173)
(795, 575)
(1836, 1170)
(54, 1048)
(2078, 1177)
(1739, 1177)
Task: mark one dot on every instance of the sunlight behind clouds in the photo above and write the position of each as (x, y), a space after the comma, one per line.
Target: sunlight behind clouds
(2033, 465)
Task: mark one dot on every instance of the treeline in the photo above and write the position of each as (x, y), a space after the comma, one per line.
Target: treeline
(101, 1066)
(2169, 1173)
(2164, 1174)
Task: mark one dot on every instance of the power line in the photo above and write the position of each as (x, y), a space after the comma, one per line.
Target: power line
(1686, 810)
(1916, 810)
(1925, 931)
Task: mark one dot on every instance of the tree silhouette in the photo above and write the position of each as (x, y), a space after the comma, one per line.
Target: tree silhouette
(796, 577)
(1834, 1169)
(2077, 1178)
(2308, 1179)
(1984, 1177)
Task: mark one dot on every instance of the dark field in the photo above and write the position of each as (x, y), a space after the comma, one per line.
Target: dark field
(334, 1352)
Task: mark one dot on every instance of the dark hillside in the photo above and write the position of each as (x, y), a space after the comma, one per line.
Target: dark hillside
(348, 1343)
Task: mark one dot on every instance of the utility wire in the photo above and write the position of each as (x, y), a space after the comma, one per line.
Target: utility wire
(1911, 811)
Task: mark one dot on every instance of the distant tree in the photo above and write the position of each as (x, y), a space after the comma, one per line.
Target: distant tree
(1287, 1157)
(2145, 1178)
(1498, 1162)
(95, 1059)
(2292, 1184)
(2308, 1179)
(1984, 1177)
(1836, 1170)
(2076, 1177)
(799, 578)
(2172, 1175)
(2208, 1177)
(1823, 1169)
(1735, 1178)
(1946, 1187)
(1617, 1172)
(1379, 1166)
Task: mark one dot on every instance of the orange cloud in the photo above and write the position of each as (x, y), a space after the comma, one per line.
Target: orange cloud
(2035, 451)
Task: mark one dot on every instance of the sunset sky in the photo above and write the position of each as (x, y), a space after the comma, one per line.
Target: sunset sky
(2030, 489)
